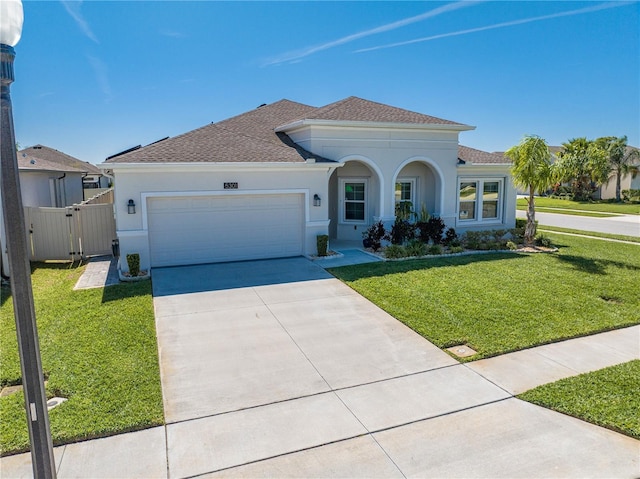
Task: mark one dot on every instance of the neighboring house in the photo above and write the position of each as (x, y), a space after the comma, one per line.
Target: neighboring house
(266, 183)
(630, 181)
(51, 178)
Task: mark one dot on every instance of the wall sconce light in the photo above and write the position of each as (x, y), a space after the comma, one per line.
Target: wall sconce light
(131, 207)
(316, 200)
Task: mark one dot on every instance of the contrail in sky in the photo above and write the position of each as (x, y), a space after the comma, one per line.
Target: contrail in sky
(602, 6)
(73, 9)
(100, 70)
(305, 52)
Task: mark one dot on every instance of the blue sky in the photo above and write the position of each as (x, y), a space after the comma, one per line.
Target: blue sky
(94, 78)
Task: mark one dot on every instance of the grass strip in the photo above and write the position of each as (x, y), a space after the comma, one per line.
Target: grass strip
(558, 211)
(98, 349)
(596, 234)
(609, 397)
(603, 206)
(503, 302)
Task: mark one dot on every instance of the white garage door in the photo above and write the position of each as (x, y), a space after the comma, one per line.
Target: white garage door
(211, 229)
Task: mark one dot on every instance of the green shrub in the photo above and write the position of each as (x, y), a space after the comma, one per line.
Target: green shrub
(486, 240)
(133, 261)
(395, 251)
(416, 248)
(402, 231)
(451, 238)
(435, 249)
(456, 249)
(496, 246)
(630, 196)
(373, 236)
(542, 240)
(499, 235)
(472, 239)
(431, 230)
(517, 234)
(322, 242)
(512, 246)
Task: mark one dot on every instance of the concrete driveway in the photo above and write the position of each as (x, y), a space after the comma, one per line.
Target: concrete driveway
(274, 368)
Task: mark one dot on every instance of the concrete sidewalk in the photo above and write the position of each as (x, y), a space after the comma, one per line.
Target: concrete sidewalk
(277, 369)
(391, 428)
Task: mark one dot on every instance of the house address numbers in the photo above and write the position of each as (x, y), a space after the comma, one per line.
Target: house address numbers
(231, 185)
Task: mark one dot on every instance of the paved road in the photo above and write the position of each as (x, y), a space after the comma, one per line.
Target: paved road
(628, 225)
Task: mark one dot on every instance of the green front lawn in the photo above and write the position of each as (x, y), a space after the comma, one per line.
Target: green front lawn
(558, 211)
(502, 302)
(603, 206)
(609, 397)
(98, 350)
(547, 228)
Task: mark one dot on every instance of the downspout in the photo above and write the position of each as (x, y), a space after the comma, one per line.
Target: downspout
(64, 191)
(84, 175)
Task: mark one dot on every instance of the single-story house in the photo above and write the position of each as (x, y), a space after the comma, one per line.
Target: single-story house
(51, 178)
(265, 183)
(629, 181)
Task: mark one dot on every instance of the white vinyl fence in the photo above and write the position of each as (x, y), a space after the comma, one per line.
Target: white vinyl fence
(70, 233)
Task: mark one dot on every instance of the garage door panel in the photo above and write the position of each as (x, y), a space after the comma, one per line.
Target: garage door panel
(191, 230)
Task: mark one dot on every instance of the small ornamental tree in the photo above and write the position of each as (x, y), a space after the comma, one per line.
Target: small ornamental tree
(531, 169)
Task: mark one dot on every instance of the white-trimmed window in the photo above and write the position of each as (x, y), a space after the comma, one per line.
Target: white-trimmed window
(480, 199)
(353, 195)
(405, 190)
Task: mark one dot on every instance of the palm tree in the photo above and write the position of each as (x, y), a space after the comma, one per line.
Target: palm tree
(584, 164)
(621, 157)
(531, 169)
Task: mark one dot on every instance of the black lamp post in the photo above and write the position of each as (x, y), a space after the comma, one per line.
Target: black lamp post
(11, 17)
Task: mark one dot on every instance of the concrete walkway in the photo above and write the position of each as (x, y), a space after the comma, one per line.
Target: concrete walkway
(101, 271)
(277, 369)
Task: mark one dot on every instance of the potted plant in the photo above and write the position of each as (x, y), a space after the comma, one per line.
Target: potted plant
(135, 273)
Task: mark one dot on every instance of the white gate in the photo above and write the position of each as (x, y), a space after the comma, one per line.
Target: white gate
(70, 233)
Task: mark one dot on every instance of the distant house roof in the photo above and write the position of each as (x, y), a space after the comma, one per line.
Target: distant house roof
(475, 157)
(43, 158)
(257, 136)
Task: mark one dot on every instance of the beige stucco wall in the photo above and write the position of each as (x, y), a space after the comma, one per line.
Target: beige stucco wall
(379, 155)
(382, 155)
(36, 190)
(142, 182)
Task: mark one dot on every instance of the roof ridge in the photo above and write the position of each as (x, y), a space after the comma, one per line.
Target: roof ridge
(266, 105)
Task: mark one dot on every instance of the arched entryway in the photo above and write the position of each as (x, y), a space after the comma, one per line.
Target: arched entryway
(419, 181)
(355, 192)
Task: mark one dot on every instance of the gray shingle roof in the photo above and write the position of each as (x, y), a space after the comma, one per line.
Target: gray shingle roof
(358, 109)
(251, 136)
(473, 156)
(43, 158)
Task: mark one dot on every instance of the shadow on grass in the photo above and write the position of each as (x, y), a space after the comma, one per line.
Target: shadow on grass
(120, 291)
(5, 292)
(593, 266)
(68, 265)
(370, 270)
